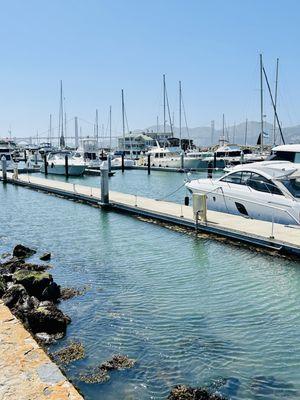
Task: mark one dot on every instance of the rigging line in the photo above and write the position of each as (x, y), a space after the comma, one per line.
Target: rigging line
(169, 113)
(273, 104)
(185, 120)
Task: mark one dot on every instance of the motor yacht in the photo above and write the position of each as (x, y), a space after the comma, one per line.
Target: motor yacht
(7, 150)
(56, 163)
(265, 190)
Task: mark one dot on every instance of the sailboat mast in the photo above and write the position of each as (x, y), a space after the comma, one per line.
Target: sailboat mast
(50, 129)
(123, 120)
(180, 102)
(110, 128)
(61, 138)
(261, 106)
(164, 89)
(275, 101)
(97, 128)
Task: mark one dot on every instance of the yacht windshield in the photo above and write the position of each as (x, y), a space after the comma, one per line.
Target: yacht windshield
(293, 157)
(293, 186)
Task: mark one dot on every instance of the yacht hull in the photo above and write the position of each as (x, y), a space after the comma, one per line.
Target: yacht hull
(73, 170)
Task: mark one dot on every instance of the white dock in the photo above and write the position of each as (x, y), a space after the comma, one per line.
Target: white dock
(280, 238)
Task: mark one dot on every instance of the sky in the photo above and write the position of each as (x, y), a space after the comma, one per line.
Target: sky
(98, 47)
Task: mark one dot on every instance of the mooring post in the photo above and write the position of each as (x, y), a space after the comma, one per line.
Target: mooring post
(109, 162)
(182, 160)
(123, 164)
(4, 169)
(25, 156)
(67, 165)
(35, 158)
(104, 184)
(45, 164)
(209, 170)
(215, 160)
(149, 164)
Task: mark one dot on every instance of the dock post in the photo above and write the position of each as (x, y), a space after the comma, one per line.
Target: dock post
(109, 163)
(35, 158)
(4, 169)
(149, 164)
(67, 165)
(215, 161)
(209, 170)
(25, 156)
(123, 164)
(104, 184)
(182, 160)
(45, 164)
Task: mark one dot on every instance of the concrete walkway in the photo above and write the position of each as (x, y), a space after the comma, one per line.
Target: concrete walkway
(27, 373)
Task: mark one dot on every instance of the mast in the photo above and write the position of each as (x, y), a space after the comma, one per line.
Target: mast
(157, 127)
(110, 128)
(50, 129)
(164, 96)
(76, 132)
(61, 119)
(97, 128)
(246, 131)
(261, 106)
(123, 120)
(180, 101)
(275, 102)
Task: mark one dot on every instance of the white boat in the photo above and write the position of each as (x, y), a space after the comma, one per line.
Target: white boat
(56, 163)
(265, 190)
(117, 162)
(90, 152)
(286, 152)
(6, 150)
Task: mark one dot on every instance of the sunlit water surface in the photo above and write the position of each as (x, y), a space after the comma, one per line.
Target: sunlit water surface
(189, 310)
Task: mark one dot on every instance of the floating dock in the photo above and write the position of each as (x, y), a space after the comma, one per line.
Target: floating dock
(273, 237)
(26, 371)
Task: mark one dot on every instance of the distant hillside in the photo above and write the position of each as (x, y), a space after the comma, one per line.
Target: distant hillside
(202, 135)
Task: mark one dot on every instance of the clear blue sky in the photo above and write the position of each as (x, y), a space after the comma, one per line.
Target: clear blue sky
(98, 47)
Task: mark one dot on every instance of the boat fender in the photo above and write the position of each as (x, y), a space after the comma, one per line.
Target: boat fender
(186, 200)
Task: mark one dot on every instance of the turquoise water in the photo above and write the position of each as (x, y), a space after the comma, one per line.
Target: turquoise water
(189, 310)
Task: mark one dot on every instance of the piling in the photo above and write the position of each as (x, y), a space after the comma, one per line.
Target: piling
(25, 156)
(104, 184)
(45, 164)
(149, 164)
(123, 164)
(109, 162)
(4, 168)
(66, 165)
(182, 160)
(35, 157)
(215, 160)
(209, 170)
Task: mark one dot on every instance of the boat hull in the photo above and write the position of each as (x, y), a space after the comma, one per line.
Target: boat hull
(73, 170)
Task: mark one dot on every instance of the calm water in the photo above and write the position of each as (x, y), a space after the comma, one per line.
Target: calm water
(190, 310)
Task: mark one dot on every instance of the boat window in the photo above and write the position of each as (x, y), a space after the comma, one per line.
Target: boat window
(297, 158)
(293, 186)
(283, 156)
(233, 178)
(262, 184)
(246, 176)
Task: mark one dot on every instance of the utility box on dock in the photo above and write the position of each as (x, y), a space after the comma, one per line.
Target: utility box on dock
(200, 206)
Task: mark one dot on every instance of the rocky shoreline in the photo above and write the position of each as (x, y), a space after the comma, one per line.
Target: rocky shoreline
(31, 294)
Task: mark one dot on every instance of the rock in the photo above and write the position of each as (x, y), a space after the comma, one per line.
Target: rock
(68, 293)
(34, 282)
(2, 286)
(94, 376)
(16, 295)
(118, 362)
(46, 338)
(51, 292)
(47, 318)
(45, 257)
(75, 351)
(21, 251)
(5, 255)
(183, 392)
(16, 264)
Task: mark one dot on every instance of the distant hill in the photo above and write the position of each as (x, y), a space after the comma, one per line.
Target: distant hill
(202, 135)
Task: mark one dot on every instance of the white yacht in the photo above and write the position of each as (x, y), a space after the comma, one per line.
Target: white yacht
(56, 163)
(265, 190)
(6, 150)
(286, 152)
(90, 152)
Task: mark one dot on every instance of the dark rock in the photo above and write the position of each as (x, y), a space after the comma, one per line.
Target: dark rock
(118, 362)
(15, 296)
(51, 292)
(2, 286)
(183, 392)
(94, 376)
(68, 293)
(45, 257)
(21, 251)
(75, 351)
(15, 264)
(34, 282)
(47, 318)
